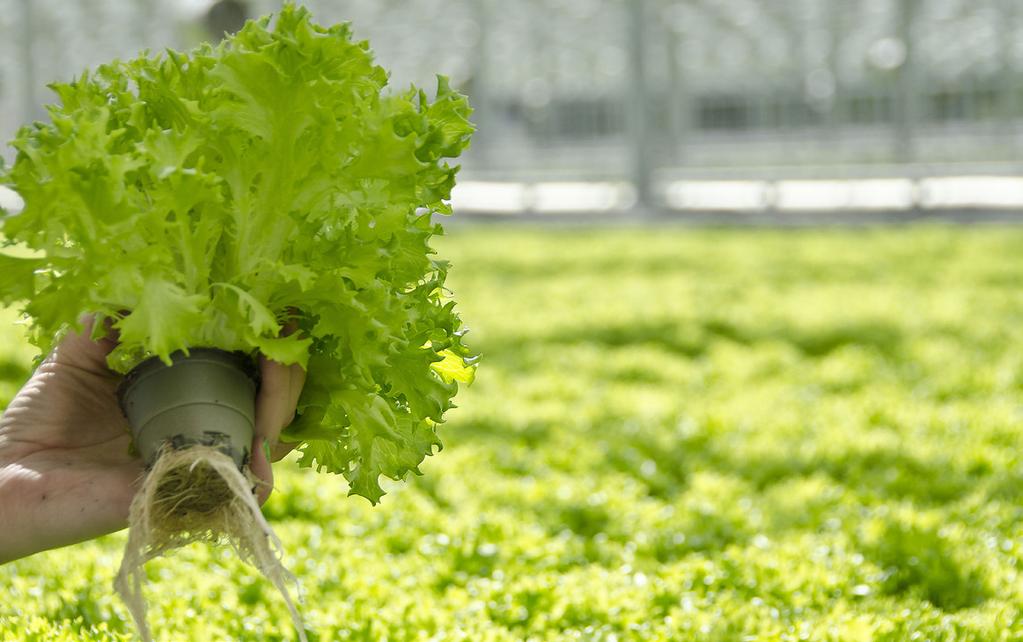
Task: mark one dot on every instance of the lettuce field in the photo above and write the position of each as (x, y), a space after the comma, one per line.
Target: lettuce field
(674, 435)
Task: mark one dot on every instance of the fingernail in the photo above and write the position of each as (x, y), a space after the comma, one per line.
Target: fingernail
(266, 448)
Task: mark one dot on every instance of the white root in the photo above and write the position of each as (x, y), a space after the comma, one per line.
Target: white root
(191, 495)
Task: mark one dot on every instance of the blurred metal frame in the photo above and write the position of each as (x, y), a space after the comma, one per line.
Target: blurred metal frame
(643, 91)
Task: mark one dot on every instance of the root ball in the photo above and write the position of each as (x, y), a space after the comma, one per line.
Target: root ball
(197, 494)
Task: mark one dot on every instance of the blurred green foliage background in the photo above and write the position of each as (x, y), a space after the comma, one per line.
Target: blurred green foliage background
(674, 435)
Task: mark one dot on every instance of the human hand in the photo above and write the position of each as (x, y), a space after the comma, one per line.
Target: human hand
(66, 471)
(279, 389)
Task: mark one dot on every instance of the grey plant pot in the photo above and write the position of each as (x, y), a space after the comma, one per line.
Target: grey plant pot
(205, 398)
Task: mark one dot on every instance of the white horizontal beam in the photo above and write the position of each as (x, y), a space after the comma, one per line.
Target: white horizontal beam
(863, 194)
(512, 197)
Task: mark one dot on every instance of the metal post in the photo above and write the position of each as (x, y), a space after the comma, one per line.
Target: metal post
(678, 109)
(907, 90)
(1010, 106)
(483, 114)
(835, 115)
(638, 105)
(26, 31)
(538, 50)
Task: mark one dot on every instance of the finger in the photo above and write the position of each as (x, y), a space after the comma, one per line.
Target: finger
(107, 336)
(79, 349)
(261, 468)
(278, 397)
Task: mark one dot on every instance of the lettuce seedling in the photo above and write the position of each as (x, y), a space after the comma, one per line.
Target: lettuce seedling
(265, 195)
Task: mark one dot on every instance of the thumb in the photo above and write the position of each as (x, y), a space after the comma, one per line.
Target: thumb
(260, 467)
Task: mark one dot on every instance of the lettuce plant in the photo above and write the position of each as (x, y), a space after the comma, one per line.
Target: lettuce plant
(216, 197)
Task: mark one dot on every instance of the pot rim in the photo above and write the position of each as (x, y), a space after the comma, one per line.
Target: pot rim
(241, 361)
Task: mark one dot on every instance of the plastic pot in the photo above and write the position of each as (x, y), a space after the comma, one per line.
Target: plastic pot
(207, 398)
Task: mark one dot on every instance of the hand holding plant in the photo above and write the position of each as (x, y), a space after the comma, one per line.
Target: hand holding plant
(67, 473)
